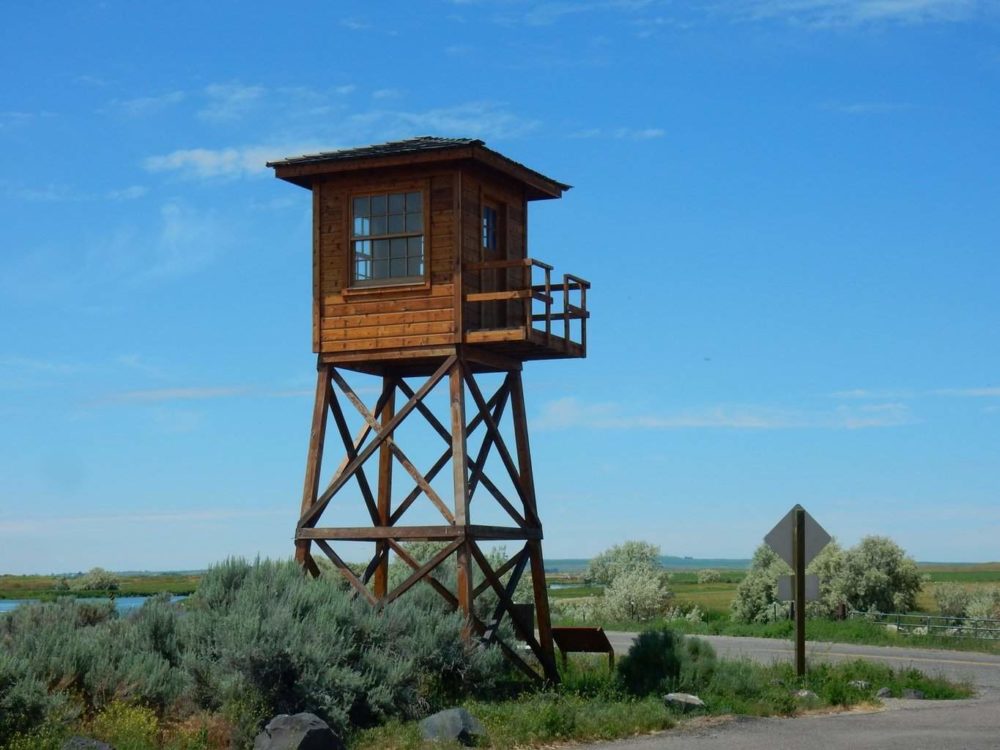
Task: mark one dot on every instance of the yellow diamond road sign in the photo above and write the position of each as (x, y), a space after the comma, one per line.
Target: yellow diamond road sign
(780, 537)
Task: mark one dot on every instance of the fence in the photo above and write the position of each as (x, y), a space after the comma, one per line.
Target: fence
(952, 627)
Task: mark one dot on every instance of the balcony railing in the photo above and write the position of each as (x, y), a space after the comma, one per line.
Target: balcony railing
(543, 307)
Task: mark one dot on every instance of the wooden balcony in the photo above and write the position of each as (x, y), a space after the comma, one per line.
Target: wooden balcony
(541, 320)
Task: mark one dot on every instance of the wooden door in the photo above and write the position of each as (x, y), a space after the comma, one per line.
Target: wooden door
(494, 248)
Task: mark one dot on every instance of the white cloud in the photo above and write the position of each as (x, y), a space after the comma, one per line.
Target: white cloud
(865, 108)
(385, 94)
(620, 133)
(476, 119)
(827, 13)
(569, 413)
(148, 105)
(156, 395)
(989, 392)
(206, 163)
(55, 193)
(228, 102)
(27, 525)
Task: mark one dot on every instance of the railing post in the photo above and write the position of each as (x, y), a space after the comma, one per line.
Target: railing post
(565, 309)
(548, 307)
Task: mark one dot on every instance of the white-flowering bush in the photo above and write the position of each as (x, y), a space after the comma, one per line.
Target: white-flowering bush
(756, 594)
(635, 596)
(695, 616)
(951, 599)
(628, 557)
(709, 576)
(878, 573)
(96, 579)
(984, 604)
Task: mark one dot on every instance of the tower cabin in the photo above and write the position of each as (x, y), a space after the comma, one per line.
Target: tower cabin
(420, 247)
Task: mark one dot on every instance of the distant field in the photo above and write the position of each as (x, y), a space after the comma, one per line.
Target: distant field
(143, 584)
(711, 597)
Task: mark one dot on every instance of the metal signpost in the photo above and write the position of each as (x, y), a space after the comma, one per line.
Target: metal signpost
(797, 539)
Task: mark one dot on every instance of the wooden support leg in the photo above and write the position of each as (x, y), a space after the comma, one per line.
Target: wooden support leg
(527, 477)
(461, 486)
(314, 462)
(385, 488)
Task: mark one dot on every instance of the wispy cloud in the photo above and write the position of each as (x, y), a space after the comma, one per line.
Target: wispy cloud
(989, 392)
(194, 393)
(548, 13)
(144, 106)
(832, 13)
(55, 193)
(229, 102)
(569, 413)
(620, 133)
(157, 395)
(481, 119)
(881, 394)
(865, 108)
(204, 163)
(27, 525)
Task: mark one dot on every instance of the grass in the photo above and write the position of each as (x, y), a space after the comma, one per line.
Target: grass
(590, 705)
(45, 588)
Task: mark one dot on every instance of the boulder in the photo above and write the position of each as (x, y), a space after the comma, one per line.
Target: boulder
(85, 743)
(883, 692)
(683, 701)
(806, 695)
(913, 694)
(860, 684)
(303, 731)
(452, 725)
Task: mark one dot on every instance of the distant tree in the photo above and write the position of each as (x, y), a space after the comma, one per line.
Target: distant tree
(757, 593)
(627, 557)
(877, 574)
(984, 604)
(951, 599)
(828, 567)
(634, 596)
(96, 579)
(709, 576)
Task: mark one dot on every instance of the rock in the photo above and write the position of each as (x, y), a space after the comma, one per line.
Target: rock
(683, 701)
(891, 628)
(919, 630)
(860, 684)
(85, 743)
(913, 694)
(883, 692)
(806, 695)
(451, 725)
(299, 732)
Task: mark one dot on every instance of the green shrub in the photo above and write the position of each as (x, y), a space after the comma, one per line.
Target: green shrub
(951, 599)
(126, 727)
(653, 662)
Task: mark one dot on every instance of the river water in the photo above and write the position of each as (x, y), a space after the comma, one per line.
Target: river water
(122, 603)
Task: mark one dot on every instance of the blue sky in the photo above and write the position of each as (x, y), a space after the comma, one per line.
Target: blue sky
(788, 210)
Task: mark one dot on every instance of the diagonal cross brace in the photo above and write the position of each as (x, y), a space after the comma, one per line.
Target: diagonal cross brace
(312, 515)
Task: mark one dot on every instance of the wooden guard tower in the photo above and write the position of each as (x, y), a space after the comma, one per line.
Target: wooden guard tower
(421, 275)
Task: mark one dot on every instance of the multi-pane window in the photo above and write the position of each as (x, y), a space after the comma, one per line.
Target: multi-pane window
(387, 237)
(489, 228)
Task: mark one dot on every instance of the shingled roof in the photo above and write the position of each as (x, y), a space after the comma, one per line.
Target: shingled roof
(301, 169)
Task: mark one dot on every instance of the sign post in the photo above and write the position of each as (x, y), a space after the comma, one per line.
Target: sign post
(797, 539)
(799, 568)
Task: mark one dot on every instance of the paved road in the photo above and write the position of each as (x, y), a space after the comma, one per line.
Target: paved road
(902, 725)
(982, 670)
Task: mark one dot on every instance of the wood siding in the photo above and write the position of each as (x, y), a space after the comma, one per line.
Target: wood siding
(373, 318)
